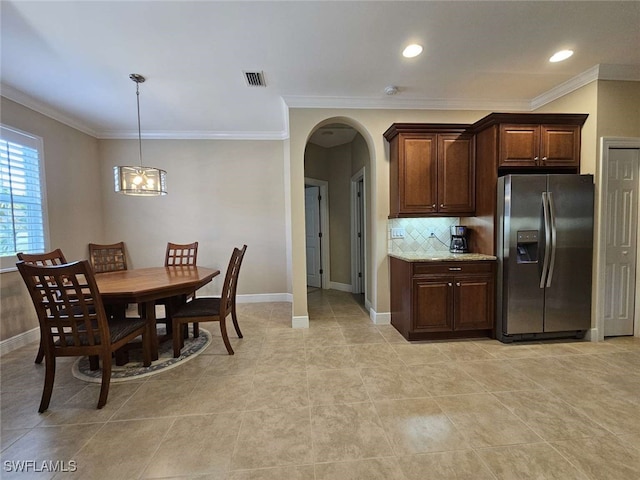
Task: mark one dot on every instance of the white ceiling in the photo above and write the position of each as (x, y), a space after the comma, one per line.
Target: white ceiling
(72, 60)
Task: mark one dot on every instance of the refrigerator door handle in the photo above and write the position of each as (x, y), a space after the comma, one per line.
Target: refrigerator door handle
(552, 219)
(547, 240)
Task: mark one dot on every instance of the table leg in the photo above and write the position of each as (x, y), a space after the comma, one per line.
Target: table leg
(150, 316)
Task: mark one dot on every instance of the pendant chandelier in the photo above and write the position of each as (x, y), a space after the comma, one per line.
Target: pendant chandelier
(142, 181)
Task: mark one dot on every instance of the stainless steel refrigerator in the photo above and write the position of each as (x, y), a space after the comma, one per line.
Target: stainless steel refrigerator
(545, 253)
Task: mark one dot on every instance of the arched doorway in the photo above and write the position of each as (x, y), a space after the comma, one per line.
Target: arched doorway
(337, 155)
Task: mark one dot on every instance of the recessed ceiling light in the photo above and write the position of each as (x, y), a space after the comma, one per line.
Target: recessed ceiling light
(412, 50)
(561, 55)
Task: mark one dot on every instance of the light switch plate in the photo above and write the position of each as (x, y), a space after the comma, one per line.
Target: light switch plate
(397, 232)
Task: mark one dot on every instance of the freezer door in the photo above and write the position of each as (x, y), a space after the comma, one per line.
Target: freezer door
(568, 292)
(522, 299)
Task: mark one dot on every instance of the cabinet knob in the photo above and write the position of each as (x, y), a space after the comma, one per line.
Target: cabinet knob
(433, 206)
(536, 158)
(544, 159)
(450, 284)
(458, 284)
(442, 205)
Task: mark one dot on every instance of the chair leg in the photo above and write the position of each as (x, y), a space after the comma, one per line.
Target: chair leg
(235, 320)
(40, 354)
(50, 364)
(225, 338)
(196, 329)
(106, 379)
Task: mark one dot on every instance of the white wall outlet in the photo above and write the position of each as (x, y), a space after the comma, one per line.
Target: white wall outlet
(398, 232)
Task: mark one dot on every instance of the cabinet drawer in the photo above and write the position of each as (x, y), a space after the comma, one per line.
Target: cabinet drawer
(429, 268)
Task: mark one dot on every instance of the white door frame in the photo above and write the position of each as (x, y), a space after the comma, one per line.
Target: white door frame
(354, 231)
(602, 176)
(325, 258)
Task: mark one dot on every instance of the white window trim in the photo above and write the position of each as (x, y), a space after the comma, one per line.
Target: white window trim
(8, 263)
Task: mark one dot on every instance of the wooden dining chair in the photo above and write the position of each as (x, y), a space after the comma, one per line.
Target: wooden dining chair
(178, 255)
(181, 254)
(47, 259)
(107, 258)
(73, 321)
(212, 309)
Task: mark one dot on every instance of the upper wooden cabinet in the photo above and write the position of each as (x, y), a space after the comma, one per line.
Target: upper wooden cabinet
(432, 170)
(533, 140)
(539, 146)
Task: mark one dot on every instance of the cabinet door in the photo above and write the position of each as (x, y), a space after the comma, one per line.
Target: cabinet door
(456, 174)
(519, 145)
(417, 178)
(473, 302)
(560, 146)
(433, 304)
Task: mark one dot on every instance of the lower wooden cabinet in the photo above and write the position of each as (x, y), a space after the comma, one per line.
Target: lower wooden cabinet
(448, 299)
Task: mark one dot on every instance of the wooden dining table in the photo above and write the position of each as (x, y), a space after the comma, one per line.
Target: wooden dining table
(146, 285)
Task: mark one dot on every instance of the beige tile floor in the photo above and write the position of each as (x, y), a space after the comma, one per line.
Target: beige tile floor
(344, 399)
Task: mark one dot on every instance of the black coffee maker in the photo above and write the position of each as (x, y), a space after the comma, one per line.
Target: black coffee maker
(458, 239)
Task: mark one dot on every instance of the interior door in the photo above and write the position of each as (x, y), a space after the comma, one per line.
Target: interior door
(312, 229)
(621, 226)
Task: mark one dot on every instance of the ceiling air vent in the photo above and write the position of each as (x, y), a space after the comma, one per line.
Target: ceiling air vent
(255, 79)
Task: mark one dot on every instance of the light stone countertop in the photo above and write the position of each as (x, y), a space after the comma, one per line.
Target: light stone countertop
(442, 257)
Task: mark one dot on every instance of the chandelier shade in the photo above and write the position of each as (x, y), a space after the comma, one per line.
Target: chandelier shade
(144, 181)
(141, 181)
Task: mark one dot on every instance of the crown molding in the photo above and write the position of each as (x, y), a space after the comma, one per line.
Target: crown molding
(597, 72)
(404, 103)
(192, 135)
(23, 99)
(567, 87)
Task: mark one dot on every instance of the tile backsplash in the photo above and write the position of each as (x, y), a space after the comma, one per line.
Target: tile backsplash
(417, 231)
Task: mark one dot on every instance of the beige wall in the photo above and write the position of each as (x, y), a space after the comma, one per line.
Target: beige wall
(340, 213)
(618, 109)
(359, 154)
(222, 193)
(316, 165)
(72, 177)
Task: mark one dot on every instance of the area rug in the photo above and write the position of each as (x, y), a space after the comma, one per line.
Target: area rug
(135, 370)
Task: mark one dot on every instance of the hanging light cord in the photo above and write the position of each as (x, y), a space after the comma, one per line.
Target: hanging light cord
(139, 131)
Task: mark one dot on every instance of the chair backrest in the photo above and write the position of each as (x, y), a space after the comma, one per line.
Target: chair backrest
(55, 257)
(228, 295)
(107, 258)
(181, 254)
(68, 303)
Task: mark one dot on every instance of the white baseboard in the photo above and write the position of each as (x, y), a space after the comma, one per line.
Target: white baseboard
(592, 335)
(264, 297)
(380, 318)
(301, 321)
(343, 287)
(20, 340)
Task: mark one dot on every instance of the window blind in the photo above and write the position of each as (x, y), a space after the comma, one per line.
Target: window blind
(21, 201)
